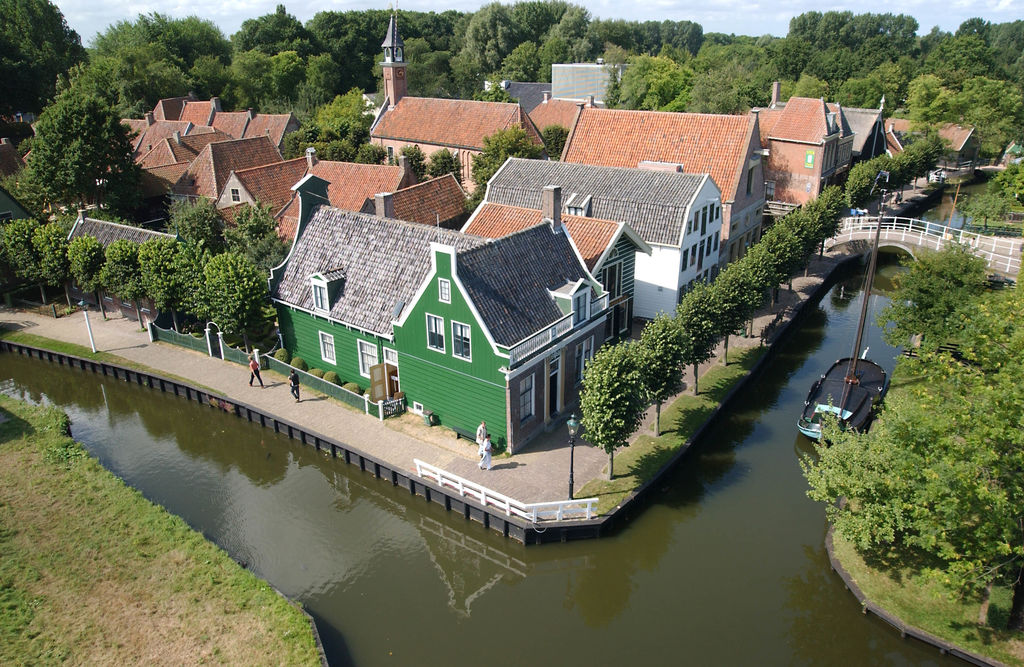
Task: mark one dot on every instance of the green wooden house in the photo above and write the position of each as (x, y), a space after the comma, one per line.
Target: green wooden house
(471, 328)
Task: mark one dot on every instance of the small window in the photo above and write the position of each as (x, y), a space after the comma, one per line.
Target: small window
(526, 398)
(579, 308)
(444, 288)
(435, 333)
(584, 353)
(716, 241)
(367, 357)
(320, 296)
(769, 189)
(327, 347)
(460, 341)
(704, 221)
(391, 154)
(683, 265)
(709, 248)
(750, 180)
(693, 254)
(391, 356)
(235, 196)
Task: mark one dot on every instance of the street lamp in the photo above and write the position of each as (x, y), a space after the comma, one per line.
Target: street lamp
(574, 426)
(88, 326)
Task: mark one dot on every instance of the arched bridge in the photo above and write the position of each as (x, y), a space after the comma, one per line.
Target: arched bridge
(908, 234)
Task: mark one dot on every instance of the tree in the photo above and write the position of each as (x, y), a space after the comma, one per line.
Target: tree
(984, 206)
(700, 328)
(493, 91)
(498, 147)
(344, 118)
(445, 162)
(417, 160)
(85, 263)
(371, 154)
(938, 476)
(50, 242)
(661, 355)
(37, 46)
(928, 297)
(554, 137)
(523, 64)
(159, 275)
(252, 77)
(490, 37)
(613, 398)
(235, 292)
(287, 72)
(82, 154)
(197, 222)
(121, 274)
(655, 83)
(254, 236)
(271, 34)
(21, 254)
(1010, 182)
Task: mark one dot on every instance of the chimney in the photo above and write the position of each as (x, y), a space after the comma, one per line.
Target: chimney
(384, 204)
(551, 205)
(776, 93)
(590, 101)
(310, 158)
(252, 114)
(177, 137)
(149, 118)
(408, 175)
(215, 103)
(547, 95)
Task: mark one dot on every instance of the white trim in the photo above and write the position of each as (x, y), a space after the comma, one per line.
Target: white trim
(359, 356)
(334, 351)
(533, 398)
(394, 352)
(443, 283)
(577, 334)
(469, 339)
(315, 281)
(326, 316)
(443, 348)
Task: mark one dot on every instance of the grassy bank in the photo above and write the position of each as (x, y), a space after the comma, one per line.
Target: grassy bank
(92, 572)
(638, 463)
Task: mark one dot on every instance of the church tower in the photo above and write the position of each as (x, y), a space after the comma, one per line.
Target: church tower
(394, 64)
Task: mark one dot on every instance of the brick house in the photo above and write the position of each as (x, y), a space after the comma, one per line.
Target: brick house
(209, 171)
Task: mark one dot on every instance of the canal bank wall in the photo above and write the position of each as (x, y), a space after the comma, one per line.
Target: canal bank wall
(494, 518)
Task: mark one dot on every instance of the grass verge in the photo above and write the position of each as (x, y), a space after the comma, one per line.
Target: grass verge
(645, 457)
(92, 572)
(922, 601)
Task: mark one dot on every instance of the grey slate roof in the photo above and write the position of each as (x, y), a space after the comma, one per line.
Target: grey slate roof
(386, 260)
(108, 232)
(510, 278)
(527, 93)
(652, 202)
(862, 121)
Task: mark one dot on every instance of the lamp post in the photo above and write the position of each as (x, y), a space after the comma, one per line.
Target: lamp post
(88, 325)
(574, 426)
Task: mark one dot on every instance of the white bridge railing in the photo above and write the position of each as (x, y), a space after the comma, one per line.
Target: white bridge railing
(559, 510)
(1002, 254)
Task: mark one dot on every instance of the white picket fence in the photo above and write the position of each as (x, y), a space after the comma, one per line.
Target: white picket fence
(560, 510)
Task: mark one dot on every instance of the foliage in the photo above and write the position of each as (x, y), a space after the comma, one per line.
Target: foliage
(493, 91)
(121, 272)
(254, 236)
(24, 187)
(661, 360)
(984, 206)
(283, 355)
(332, 377)
(82, 153)
(37, 46)
(85, 262)
(234, 291)
(159, 274)
(300, 363)
(317, 372)
(184, 40)
(523, 64)
(344, 118)
(271, 34)
(498, 147)
(20, 252)
(656, 83)
(50, 242)
(612, 400)
(1010, 182)
(417, 160)
(190, 273)
(928, 298)
(554, 137)
(197, 222)
(700, 326)
(371, 154)
(445, 162)
(353, 387)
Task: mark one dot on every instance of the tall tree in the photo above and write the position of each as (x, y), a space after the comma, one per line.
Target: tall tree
(85, 262)
(120, 274)
(235, 292)
(271, 34)
(20, 252)
(984, 206)
(417, 160)
(254, 236)
(613, 398)
(554, 137)
(160, 278)
(698, 320)
(197, 222)
(498, 147)
(661, 355)
(445, 162)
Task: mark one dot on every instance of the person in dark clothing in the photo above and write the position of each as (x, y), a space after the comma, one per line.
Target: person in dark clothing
(293, 381)
(254, 368)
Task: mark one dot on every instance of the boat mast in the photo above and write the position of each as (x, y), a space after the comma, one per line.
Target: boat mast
(851, 375)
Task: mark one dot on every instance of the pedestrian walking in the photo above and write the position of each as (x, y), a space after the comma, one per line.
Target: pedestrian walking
(293, 381)
(254, 371)
(485, 462)
(481, 433)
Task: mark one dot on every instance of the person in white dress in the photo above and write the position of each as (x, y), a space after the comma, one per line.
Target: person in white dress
(485, 462)
(481, 433)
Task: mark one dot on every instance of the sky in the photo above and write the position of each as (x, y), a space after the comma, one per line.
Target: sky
(742, 17)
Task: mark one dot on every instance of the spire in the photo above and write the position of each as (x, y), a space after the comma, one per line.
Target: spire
(394, 64)
(393, 45)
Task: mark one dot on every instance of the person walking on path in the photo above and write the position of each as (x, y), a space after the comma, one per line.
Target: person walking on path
(485, 462)
(254, 368)
(481, 433)
(293, 381)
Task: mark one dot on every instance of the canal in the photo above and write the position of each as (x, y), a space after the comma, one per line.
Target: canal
(727, 566)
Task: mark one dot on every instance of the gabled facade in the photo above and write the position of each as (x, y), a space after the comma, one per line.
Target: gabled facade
(469, 328)
(432, 124)
(726, 147)
(440, 202)
(207, 174)
(962, 144)
(678, 215)
(208, 113)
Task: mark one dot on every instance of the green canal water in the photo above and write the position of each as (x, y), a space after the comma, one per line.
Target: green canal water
(726, 567)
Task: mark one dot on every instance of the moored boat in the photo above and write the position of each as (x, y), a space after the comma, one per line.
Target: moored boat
(849, 390)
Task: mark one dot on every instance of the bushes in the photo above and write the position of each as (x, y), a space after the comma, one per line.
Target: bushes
(283, 355)
(353, 387)
(332, 377)
(300, 363)
(316, 372)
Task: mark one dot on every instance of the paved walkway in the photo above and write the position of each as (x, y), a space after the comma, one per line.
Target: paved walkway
(537, 473)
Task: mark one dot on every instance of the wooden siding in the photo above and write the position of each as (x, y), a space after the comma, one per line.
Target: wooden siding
(459, 392)
(301, 333)
(625, 254)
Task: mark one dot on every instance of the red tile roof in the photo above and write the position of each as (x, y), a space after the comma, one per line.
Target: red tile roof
(271, 184)
(207, 174)
(169, 108)
(197, 112)
(802, 119)
(151, 135)
(703, 143)
(956, 135)
(273, 125)
(766, 119)
(437, 199)
(554, 112)
(186, 149)
(10, 161)
(160, 180)
(231, 122)
(590, 235)
(352, 187)
(455, 123)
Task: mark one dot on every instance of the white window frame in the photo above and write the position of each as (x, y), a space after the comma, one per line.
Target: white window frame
(580, 308)
(526, 388)
(391, 356)
(325, 337)
(322, 305)
(469, 341)
(236, 196)
(440, 331)
(365, 372)
(444, 290)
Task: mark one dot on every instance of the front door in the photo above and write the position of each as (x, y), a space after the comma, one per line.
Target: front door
(553, 364)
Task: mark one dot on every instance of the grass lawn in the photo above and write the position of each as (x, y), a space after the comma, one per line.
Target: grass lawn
(639, 462)
(92, 572)
(923, 602)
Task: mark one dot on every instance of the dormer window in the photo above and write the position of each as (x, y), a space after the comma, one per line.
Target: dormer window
(325, 287)
(580, 307)
(578, 204)
(319, 286)
(235, 195)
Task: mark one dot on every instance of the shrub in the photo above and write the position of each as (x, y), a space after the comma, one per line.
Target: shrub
(283, 355)
(353, 387)
(316, 372)
(300, 363)
(332, 377)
